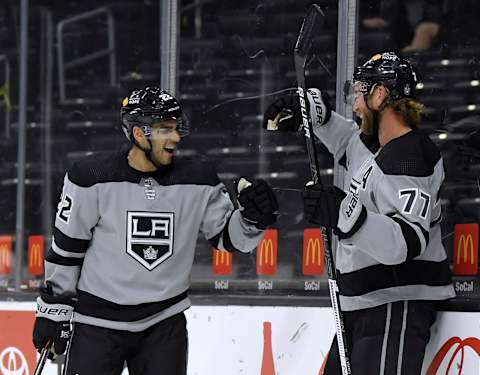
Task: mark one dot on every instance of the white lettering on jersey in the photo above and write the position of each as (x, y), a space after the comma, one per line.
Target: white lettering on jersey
(156, 225)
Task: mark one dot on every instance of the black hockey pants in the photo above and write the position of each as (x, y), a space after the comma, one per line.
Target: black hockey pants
(386, 340)
(159, 350)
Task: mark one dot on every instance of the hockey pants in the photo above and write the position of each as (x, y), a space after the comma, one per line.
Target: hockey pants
(159, 350)
(386, 340)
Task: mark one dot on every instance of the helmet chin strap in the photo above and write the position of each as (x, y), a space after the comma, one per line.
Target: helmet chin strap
(148, 154)
(147, 151)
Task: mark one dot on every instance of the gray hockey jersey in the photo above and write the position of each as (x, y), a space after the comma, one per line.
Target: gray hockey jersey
(124, 240)
(397, 254)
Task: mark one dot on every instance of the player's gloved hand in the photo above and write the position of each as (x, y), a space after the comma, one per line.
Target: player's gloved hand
(284, 113)
(258, 203)
(52, 322)
(331, 207)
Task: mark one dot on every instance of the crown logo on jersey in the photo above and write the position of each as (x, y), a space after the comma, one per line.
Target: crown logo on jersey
(150, 253)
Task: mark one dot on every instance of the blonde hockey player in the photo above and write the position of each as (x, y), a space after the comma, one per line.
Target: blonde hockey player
(391, 265)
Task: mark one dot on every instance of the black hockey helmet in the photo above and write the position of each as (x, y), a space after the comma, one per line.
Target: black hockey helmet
(393, 72)
(143, 108)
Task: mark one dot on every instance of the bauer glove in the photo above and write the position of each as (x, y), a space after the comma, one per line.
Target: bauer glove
(331, 207)
(258, 203)
(52, 322)
(284, 113)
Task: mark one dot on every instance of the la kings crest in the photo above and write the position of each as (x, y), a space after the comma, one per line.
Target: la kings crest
(150, 237)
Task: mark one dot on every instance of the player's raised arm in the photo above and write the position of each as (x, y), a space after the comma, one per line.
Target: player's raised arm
(243, 228)
(284, 114)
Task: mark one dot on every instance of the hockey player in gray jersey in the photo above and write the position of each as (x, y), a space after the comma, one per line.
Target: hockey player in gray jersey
(124, 243)
(391, 265)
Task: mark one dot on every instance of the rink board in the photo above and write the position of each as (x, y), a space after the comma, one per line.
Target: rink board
(228, 340)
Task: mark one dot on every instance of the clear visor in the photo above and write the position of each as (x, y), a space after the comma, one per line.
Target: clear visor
(159, 126)
(352, 90)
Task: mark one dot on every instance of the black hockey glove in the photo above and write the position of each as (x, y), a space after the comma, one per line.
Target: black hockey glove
(258, 203)
(52, 322)
(331, 207)
(284, 113)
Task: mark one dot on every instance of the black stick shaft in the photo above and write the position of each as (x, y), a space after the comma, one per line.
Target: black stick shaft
(42, 359)
(302, 47)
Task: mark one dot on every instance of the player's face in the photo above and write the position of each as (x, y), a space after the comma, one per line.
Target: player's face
(165, 139)
(360, 108)
(358, 99)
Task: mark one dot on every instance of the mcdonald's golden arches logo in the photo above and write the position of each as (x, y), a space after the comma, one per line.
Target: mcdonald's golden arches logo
(36, 255)
(6, 254)
(465, 251)
(267, 253)
(465, 247)
(222, 262)
(313, 252)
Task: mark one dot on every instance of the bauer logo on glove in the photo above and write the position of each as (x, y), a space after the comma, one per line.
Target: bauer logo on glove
(52, 321)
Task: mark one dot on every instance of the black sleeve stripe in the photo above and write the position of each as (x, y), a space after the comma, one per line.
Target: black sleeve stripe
(55, 258)
(214, 240)
(414, 246)
(425, 233)
(71, 244)
(227, 242)
(66, 254)
(343, 160)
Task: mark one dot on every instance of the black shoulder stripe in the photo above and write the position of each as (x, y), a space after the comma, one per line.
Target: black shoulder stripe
(414, 246)
(53, 257)
(370, 142)
(114, 167)
(412, 154)
(67, 243)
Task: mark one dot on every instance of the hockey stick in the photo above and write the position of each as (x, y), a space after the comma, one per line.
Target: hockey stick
(43, 358)
(302, 47)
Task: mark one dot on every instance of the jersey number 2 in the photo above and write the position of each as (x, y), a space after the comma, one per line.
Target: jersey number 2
(64, 208)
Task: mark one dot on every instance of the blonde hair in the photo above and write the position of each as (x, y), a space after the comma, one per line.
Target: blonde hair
(409, 110)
